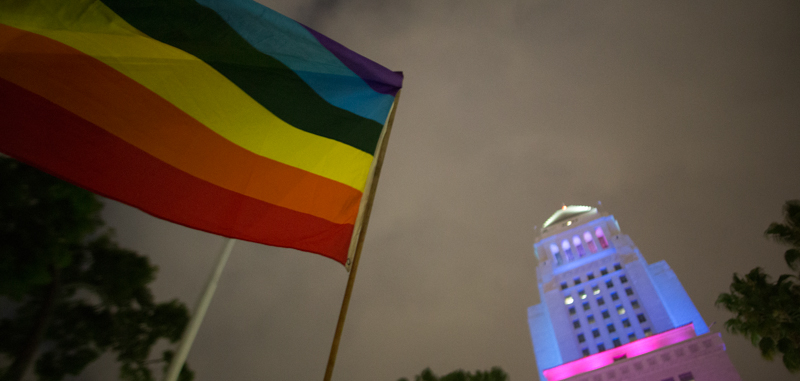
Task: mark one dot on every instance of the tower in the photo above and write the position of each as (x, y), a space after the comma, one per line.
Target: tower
(606, 314)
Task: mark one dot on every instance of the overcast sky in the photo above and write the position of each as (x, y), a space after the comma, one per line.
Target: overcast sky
(682, 117)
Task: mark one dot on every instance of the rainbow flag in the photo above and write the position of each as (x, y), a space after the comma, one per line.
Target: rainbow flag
(220, 115)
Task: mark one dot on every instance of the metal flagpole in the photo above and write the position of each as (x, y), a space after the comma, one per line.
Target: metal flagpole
(199, 312)
(361, 230)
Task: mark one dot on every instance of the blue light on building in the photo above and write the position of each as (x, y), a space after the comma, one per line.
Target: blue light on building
(605, 309)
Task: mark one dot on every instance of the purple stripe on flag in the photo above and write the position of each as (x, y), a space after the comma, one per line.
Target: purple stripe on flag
(376, 76)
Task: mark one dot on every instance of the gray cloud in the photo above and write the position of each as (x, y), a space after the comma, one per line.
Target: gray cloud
(681, 117)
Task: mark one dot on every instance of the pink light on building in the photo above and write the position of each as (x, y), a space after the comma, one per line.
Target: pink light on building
(636, 348)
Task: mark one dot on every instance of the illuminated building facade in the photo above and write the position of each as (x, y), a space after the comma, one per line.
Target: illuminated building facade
(606, 314)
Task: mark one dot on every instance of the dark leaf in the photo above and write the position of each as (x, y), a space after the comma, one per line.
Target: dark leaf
(767, 313)
(792, 258)
(51, 234)
(767, 346)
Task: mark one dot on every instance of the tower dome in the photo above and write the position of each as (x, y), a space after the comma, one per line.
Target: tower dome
(566, 213)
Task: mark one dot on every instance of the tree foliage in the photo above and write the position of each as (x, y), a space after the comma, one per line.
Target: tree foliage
(766, 312)
(75, 293)
(495, 374)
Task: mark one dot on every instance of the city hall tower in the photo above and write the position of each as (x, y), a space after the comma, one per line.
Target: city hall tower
(606, 314)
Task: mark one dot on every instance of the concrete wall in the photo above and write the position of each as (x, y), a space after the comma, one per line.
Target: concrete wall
(545, 345)
(703, 356)
(679, 306)
(649, 297)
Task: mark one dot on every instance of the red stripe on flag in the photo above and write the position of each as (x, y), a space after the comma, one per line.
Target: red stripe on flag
(49, 137)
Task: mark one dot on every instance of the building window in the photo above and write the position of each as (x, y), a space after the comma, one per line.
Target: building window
(576, 323)
(559, 261)
(601, 238)
(578, 247)
(601, 347)
(648, 332)
(564, 285)
(590, 276)
(609, 283)
(603, 271)
(587, 237)
(590, 319)
(582, 294)
(623, 279)
(554, 250)
(568, 300)
(614, 296)
(600, 301)
(577, 280)
(595, 333)
(628, 291)
(572, 310)
(635, 303)
(585, 352)
(567, 249)
(641, 318)
(686, 376)
(617, 267)
(605, 314)
(611, 328)
(595, 290)
(585, 306)
(626, 323)
(620, 310)
(616, 342)
(631, 337)
(581, 338)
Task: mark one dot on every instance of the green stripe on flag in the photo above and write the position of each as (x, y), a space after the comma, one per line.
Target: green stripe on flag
(201, 32)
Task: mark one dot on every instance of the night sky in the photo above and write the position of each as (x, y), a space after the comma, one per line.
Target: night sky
(681, 117)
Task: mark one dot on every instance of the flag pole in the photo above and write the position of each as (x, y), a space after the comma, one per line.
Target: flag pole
(361, 230)
(200, 309)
